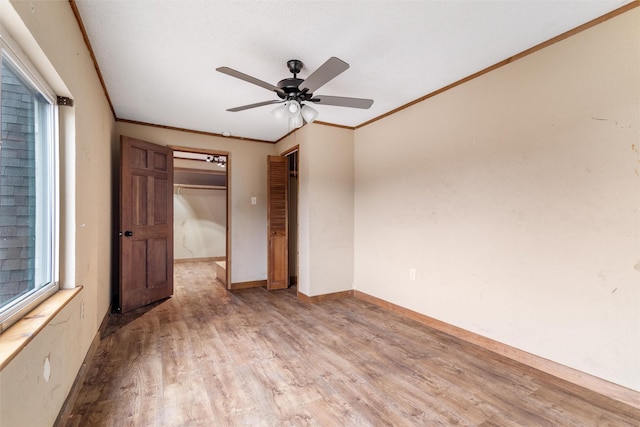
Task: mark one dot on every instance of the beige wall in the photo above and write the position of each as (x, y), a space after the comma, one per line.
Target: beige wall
(88, 138)
(247, 170)
(325, 215)
(515, 197)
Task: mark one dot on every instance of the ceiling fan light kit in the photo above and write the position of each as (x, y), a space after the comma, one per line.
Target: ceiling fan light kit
(294, 92)
(296, 114)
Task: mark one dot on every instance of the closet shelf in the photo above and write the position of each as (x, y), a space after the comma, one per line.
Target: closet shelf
(203, 187)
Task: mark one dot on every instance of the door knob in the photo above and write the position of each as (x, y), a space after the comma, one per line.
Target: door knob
(128, 233)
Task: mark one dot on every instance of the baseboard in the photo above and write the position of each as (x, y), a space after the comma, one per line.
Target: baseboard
(221, 271)
(325, 297)
(246, 285)
(205, 259)
(582, 379)
(67, 406)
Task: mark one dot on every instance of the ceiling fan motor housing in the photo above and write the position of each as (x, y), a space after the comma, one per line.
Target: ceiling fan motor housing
(291, 86)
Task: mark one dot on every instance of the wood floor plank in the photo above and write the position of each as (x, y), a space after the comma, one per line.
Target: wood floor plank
(208, 357)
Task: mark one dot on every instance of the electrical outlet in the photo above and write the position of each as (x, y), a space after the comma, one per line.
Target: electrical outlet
(254, 200)
(412, 274)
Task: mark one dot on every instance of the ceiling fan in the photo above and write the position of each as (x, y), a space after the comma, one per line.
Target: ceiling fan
(293, 91)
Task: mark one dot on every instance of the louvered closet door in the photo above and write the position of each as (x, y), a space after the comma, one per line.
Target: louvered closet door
(277, 216)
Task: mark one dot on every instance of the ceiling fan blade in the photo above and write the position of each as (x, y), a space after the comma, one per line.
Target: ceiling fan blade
(322, 75)
(342, 101)
(257, 104)
(247, 78)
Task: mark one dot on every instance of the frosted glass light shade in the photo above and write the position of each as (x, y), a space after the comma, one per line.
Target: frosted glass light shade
(280, 112)
(308, 113)
(295, 121)
(294, 107)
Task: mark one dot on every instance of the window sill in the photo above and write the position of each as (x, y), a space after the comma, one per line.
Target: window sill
(14, 339)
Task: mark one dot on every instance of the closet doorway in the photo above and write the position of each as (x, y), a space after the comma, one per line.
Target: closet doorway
(292, 208)
(201, 229)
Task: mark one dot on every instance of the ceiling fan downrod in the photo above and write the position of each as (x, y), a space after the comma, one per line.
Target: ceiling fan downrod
(295, 66)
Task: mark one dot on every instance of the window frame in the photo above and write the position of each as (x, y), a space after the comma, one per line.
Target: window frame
(18, 308)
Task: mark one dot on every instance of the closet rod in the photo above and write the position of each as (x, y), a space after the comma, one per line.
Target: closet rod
(203, 187)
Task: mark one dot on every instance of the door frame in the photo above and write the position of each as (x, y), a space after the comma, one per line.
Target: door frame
(227, 154)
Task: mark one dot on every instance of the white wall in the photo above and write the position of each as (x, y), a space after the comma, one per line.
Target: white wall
(247, 170)
(325, 214)
(515, 196)
(200, 223)
(49, 34)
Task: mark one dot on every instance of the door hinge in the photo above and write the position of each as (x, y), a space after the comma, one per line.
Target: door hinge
(64, 101)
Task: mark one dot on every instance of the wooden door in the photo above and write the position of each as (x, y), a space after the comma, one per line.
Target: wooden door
(278, 223)
(146, 223)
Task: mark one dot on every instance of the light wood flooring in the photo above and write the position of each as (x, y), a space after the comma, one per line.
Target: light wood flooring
(209, 357)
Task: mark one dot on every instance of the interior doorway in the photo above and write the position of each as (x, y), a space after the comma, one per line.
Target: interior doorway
(201, 209)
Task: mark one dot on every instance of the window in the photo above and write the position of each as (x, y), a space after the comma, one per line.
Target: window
(28, 188)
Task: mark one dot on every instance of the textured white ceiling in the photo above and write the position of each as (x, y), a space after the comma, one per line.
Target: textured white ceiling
(158, 57)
